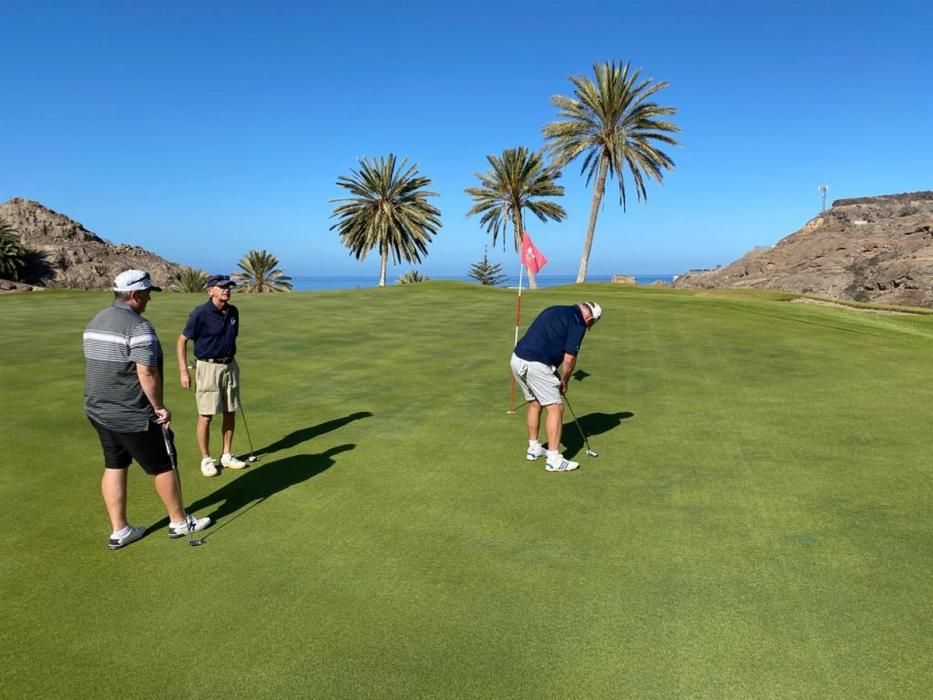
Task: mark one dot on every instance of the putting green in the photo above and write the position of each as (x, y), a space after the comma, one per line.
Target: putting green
(758, 522)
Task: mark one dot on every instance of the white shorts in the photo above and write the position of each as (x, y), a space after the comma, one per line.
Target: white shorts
(537, 380)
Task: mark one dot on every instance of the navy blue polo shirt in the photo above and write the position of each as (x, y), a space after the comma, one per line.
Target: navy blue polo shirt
(557, 330)
(213, 331)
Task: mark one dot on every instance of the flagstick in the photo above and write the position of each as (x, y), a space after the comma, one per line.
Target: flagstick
(518, 316)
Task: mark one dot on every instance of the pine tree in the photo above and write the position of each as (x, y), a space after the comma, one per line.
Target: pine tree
(484, 273)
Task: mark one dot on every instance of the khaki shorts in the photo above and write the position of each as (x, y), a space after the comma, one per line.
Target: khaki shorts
(537, 380)
(217, 388)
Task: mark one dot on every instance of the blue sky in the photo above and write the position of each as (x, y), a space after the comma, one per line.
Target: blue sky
(201, 130)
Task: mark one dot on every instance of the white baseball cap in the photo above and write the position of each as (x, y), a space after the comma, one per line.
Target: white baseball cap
(134, 281)
(595, 309)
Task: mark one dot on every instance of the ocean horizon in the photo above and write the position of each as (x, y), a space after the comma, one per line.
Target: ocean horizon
(321, 283)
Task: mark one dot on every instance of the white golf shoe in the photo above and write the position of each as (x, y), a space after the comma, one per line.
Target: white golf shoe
(560, 464)
(134, 534)
(228, 461)
(208, 467)
(192, 524)
(534, 452)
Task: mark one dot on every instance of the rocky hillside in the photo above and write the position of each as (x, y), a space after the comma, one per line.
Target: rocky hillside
(67, 255)
(877, 249)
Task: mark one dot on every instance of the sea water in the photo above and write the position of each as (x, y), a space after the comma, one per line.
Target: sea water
(308, 283)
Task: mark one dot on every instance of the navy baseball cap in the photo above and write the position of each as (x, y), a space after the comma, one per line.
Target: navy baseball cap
(220, 281)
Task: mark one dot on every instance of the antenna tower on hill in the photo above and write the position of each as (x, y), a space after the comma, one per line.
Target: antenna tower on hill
(823, 189)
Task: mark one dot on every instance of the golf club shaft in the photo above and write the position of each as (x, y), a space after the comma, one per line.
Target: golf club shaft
(246, 425)
(172, 456)
(579, 427)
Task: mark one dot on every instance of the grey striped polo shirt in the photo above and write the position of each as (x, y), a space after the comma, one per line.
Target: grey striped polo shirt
(116, 340)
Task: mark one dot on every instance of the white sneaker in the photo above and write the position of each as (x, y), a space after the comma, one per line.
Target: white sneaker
(208, 468)
(134, 534)
(192, 524)
(228, 461)
(561, 465)
(534, 452)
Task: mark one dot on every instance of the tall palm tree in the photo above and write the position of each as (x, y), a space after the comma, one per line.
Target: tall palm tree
(388, 210)
(260, 273)
(517, 180)
(613, 124)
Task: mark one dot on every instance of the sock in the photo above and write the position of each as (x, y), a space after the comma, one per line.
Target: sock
(533, 444)
(553, 455)
(181, 523)
(121, 533)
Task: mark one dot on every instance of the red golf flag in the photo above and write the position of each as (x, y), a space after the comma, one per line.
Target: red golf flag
(532, 258)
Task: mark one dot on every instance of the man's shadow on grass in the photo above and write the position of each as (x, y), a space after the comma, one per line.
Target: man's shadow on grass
(304, 434)
(257, 484)
(591, 424)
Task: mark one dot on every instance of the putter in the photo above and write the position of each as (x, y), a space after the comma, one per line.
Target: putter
(512, 412)
(590, 452)
(252, 453)
(170, 448)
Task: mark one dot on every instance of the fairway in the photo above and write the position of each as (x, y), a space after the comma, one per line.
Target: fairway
(758, 523)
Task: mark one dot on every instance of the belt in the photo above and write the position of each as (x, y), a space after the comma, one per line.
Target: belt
(216, 360)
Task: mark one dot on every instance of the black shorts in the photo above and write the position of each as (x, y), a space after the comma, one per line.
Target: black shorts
(147, 448)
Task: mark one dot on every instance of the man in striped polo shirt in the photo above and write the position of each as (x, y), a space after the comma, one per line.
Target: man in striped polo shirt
(123, 401)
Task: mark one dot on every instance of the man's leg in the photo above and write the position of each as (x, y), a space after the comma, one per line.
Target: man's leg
(166, 485)
(533, 419)
(555, 425)
(204, 435)
(113, 489)
(228, 425)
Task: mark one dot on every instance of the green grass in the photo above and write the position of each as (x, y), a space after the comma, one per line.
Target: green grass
(758, 523)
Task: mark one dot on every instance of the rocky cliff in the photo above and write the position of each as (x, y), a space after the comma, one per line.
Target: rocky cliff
(67, 255)
(877, 249)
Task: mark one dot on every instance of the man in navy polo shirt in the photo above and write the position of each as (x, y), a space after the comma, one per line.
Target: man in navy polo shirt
(551, 344)
(213, 327)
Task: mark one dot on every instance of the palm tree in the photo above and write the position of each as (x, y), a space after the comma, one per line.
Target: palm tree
(12, 253)
(614, 126)
(387, 210)
(189, 279)
(260, 273)
(517, 180)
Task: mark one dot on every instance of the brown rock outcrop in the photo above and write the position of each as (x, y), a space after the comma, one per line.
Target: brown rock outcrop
(67, 255)
(877, 249)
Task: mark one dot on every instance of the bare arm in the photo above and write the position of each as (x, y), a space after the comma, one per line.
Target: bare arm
(566, 369)
(152, 388)
(181, 352)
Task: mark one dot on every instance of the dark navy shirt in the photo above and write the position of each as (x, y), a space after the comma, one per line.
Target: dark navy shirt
(557, 330)
(213, 331)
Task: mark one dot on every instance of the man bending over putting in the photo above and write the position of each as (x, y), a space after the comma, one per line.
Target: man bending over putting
(551, 344)
(213, 326)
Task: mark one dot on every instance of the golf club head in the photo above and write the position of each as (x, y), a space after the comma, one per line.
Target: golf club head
(252, 458)
(196, 543)
(591, 453)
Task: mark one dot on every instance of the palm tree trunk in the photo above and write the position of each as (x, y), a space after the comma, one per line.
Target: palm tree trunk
(384, 259)
(598, 192)
(519, 236)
